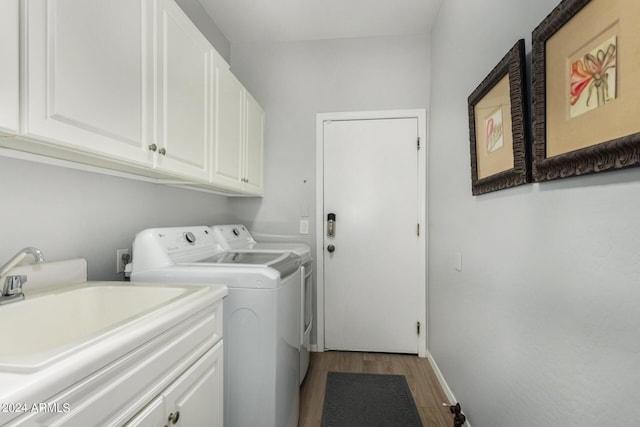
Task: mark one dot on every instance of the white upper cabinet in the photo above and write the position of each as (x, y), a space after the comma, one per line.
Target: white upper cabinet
(238, 148)
(9, 78)
(254, 119)
(88, 76)
(185, 94)
(128, 85)
(228, 165)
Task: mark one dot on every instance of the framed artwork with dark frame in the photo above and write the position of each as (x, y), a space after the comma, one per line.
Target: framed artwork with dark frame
(498, 126)
(586, 89)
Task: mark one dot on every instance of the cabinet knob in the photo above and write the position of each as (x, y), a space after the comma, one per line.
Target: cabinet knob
(174, 417)
(162, 151)
(153, 147)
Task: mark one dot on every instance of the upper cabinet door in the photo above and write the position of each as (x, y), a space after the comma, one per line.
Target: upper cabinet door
(185, 94)
(228, 160)
(9, 78)
(88, 76)
(254, 117)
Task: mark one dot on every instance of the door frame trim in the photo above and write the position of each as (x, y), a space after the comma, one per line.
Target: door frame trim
(421, 116)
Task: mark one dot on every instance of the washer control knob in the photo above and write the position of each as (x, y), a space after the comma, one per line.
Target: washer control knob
(190, 237)
(236, 232)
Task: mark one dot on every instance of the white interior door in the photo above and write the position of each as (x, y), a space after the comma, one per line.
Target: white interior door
(372, 279)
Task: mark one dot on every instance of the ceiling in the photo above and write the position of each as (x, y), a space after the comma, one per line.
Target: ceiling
(296, 20)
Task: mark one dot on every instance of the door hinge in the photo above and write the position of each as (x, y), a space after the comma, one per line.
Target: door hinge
(418, 229)
(418, 328)
(418, 143)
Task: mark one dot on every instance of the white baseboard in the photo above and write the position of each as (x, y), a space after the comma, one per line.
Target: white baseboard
(443, 383)
(313, 348)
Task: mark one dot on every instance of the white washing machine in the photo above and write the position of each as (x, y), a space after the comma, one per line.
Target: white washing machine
(261, 317)
(237, 237)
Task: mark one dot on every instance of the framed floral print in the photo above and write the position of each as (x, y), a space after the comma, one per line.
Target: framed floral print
(498, 126)
(586, 88)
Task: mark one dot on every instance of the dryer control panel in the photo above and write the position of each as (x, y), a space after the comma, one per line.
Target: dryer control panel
(233, 236)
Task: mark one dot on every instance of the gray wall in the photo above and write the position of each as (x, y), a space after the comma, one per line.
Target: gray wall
(541, 327)
(198, 15)
(70, 213)
(295, 81)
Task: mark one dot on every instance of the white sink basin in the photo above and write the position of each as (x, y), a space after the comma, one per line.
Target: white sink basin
(39, 330)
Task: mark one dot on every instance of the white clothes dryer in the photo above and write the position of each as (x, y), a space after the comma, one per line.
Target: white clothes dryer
(261, 317)
(237, 237)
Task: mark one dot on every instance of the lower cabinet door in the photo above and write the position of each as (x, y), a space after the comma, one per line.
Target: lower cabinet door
(194, 399)
(151, 416)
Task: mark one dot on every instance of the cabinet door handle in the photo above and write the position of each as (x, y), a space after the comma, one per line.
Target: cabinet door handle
(174, 417)
(153, 147)
(162, 151)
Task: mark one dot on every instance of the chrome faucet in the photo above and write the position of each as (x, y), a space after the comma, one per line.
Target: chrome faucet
(12, 289)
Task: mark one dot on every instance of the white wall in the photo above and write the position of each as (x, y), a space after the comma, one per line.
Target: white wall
(542, 326)
(295, 81)
(69, 213)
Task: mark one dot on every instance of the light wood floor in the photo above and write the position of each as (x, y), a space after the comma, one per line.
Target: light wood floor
(423, 383)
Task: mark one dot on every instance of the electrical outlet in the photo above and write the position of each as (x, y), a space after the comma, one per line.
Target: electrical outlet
(120, 263)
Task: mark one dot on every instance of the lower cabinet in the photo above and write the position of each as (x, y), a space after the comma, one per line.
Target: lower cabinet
(194, 399)
(173, 377)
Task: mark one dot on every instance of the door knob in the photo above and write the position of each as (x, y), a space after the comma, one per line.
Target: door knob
(331, 248)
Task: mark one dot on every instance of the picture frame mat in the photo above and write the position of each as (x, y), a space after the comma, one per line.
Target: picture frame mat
(602, 19)
(498, 98)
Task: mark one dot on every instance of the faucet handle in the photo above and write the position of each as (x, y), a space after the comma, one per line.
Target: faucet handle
(13, 285)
